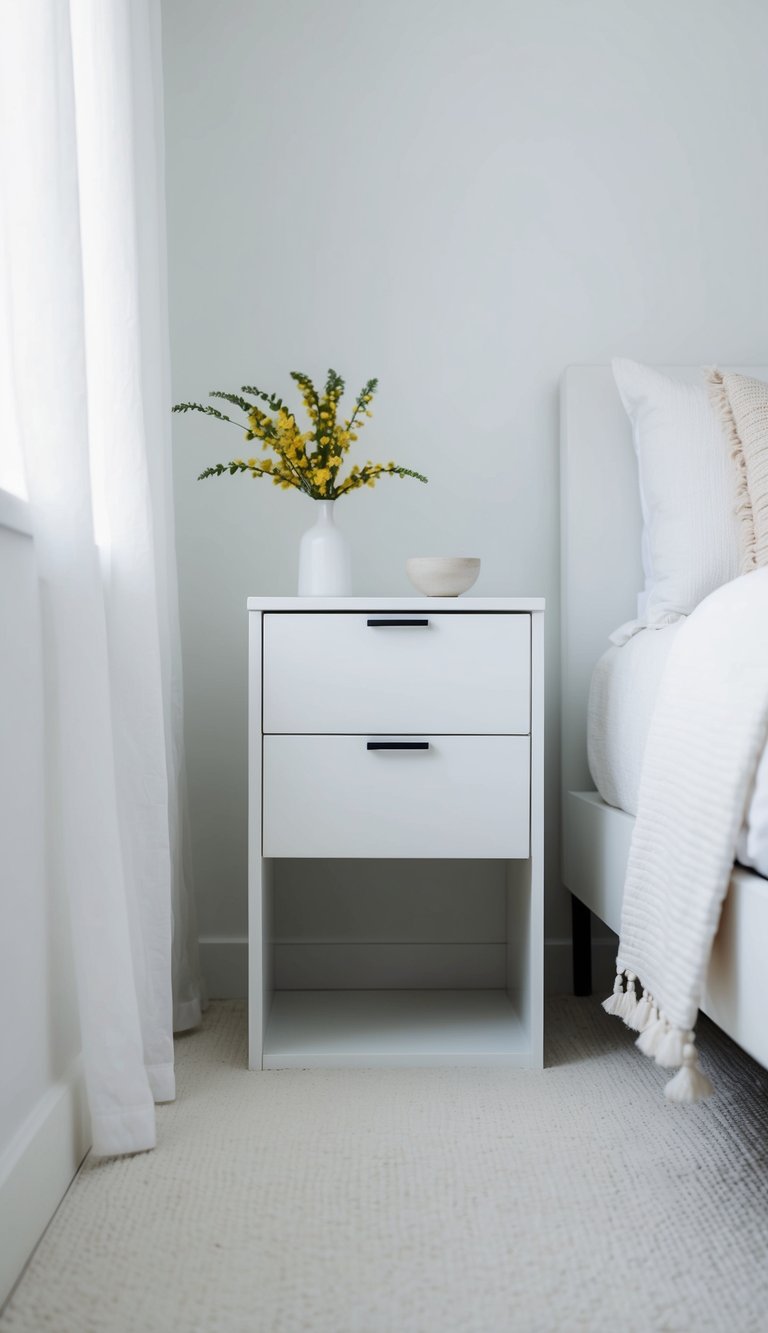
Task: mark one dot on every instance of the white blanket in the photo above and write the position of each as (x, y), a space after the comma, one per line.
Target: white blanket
(707, 735)
(622, 697)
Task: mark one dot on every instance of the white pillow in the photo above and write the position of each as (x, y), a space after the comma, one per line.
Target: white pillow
(690, 529)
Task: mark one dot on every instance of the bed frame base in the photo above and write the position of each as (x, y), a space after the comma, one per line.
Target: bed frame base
(596, 839)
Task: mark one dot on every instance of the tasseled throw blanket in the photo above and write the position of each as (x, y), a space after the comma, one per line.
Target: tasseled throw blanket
(707, 734)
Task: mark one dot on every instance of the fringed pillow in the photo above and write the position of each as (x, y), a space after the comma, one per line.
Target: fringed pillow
(742, 405)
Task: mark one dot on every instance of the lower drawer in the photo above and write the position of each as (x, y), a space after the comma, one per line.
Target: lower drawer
(333, 796)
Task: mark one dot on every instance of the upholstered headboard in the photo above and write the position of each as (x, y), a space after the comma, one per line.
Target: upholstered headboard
(600, 538)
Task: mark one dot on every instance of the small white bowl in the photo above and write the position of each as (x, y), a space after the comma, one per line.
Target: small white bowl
(442, 575)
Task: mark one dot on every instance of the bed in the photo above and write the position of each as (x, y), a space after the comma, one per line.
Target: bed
(601, 576)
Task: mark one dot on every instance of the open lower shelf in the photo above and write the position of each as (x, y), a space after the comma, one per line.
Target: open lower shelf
(363, 1028)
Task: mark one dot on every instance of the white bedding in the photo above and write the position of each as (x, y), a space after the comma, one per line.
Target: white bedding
(621, 700)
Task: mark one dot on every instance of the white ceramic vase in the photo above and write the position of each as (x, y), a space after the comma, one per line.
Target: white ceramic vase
(324, 565)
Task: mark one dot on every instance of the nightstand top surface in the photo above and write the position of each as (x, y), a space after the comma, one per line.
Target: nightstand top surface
(396, 603)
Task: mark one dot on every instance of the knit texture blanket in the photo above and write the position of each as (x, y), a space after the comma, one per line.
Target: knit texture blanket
(708, 731)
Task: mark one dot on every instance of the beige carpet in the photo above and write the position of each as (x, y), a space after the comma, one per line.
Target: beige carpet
(431, 1201)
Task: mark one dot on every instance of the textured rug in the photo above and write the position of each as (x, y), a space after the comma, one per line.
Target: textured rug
(422, 1201)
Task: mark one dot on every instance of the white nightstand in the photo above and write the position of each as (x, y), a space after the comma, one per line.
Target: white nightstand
(396, 729)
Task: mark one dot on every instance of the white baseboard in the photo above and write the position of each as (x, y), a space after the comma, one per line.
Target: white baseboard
(37, 1169)
(224, 964)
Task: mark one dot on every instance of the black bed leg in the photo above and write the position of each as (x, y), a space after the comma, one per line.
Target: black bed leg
(581, 926)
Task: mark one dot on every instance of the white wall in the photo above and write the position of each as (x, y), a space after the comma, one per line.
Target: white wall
(461, 199)
(43, 1124)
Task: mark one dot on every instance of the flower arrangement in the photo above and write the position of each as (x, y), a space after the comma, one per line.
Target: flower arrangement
(309, 461)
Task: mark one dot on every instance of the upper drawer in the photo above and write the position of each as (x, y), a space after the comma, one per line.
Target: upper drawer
(453, 672)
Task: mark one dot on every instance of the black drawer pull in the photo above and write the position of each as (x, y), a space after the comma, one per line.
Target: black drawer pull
(379, 624)
(397, 745)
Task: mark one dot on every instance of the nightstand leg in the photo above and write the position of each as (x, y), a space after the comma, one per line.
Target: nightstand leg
(581, 928)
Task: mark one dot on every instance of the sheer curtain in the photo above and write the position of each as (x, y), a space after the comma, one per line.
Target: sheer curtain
(83, 252)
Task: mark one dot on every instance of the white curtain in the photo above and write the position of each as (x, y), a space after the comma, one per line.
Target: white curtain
(81, 180)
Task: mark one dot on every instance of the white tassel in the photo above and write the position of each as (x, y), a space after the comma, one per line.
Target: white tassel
(615, 1001)
(642, 1013)
(669, 1052)
(690, 1084)
(629, 1002)
(649, 1039)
